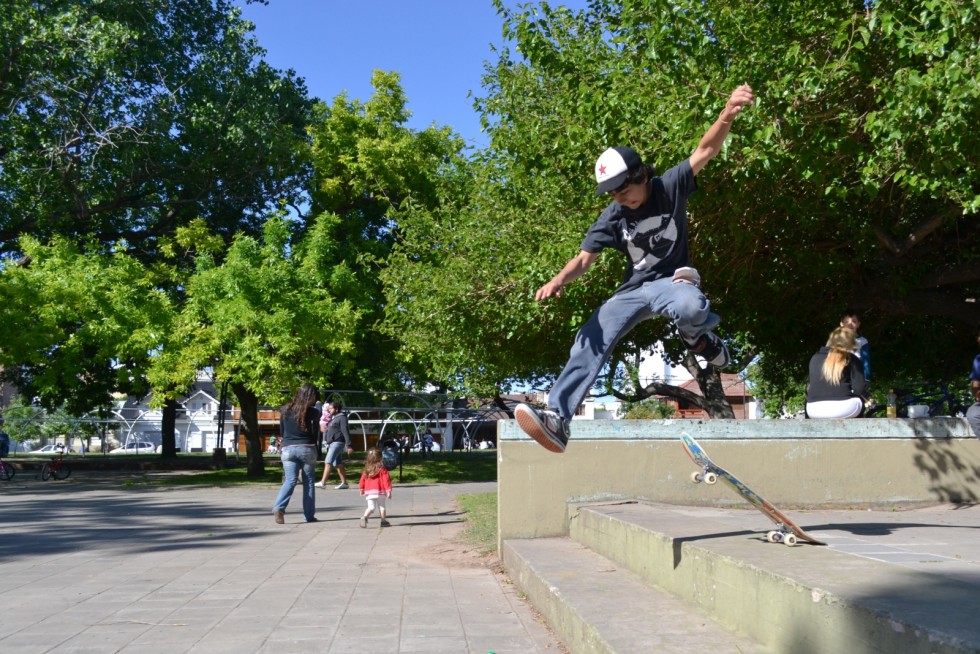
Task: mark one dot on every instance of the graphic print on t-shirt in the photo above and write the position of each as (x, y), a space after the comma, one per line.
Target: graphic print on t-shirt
(650, 241)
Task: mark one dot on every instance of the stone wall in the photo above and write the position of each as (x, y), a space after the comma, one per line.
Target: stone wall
(791, 463)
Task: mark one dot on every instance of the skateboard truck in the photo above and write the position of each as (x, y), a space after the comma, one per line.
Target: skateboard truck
(782, 534)
(707, 475)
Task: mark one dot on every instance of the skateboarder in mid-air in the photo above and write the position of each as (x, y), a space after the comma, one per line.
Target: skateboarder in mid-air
(647, 222)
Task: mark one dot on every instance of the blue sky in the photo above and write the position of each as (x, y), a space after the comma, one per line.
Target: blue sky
(437, 46)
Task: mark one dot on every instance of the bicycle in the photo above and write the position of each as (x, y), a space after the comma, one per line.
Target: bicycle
(941, 402)
(56, 468)
(7, 471)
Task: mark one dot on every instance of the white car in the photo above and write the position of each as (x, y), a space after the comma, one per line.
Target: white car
(135, 447)
(49, 449)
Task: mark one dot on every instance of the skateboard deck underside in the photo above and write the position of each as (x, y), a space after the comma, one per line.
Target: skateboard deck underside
(784, 524)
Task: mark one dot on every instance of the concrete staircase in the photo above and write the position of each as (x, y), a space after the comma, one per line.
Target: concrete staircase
(639, 577)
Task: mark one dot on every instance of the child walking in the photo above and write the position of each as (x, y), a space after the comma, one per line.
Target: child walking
(375, 485)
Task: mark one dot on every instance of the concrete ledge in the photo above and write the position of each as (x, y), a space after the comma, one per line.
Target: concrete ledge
(605, 430)
(597, 607)
(803, 599)
(792, 463)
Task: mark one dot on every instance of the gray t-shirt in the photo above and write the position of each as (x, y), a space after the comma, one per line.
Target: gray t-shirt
(654, 236)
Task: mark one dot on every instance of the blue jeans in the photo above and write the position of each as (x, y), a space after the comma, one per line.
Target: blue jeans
(294, 457)
(684, 304)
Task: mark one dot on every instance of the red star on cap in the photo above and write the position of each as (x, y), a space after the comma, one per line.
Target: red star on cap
(602, 170)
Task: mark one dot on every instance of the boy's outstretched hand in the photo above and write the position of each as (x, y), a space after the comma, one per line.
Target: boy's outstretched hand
(740, 97)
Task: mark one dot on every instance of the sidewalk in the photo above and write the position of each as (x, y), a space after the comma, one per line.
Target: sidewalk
(96, 566)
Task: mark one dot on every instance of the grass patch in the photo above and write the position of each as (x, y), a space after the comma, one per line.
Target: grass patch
(441, 468)
(226, 477)
(481, 520)
(448, 468)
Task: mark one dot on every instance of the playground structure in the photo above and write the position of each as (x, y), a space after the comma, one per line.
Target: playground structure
(454, 423)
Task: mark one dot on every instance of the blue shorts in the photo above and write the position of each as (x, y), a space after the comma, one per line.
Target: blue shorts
(335, 453)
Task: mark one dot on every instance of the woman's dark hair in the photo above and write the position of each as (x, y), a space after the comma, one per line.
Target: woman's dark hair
(306, 396)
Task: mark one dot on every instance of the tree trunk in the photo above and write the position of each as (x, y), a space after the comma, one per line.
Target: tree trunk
(714, 400)
(248, 403)
(168, 430)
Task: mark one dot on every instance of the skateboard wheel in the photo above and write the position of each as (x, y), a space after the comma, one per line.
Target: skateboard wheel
(790, 539)
(696, 477)
(710, 478)
(773, 537)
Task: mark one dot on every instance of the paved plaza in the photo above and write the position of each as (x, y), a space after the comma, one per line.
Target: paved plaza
(98, 565)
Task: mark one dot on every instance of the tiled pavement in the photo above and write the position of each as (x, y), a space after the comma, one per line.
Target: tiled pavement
(97, 565)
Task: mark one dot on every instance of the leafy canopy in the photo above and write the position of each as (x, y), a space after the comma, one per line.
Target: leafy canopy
(853, 182)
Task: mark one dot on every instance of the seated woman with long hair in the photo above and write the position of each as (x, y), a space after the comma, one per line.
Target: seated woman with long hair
(836, 387)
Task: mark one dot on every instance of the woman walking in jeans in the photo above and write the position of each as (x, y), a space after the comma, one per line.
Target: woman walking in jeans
(299, 425)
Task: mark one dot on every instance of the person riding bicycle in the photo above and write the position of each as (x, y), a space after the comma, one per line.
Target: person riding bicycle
(973, 413)
(4, 441)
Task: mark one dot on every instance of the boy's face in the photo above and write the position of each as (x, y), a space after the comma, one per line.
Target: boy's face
(631, 196)
(851, 321)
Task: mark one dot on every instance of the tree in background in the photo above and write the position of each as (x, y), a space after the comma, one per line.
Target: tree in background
(23, 421)
(124, 119)
(369, 169)
(120, 122)
(648, 410)
(852, 183)
(263, 316)
(471, 268)
(79, 324)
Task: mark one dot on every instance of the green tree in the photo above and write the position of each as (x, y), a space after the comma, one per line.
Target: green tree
(124, 119)
(857, 180)
(23, 421)
(265, 319)
(648, 410)
(852, 183)
(79, 324)
(465, 275)
(369, 170)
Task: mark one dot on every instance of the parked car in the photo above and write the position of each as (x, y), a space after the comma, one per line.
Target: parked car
(135, 447)
(49, 449)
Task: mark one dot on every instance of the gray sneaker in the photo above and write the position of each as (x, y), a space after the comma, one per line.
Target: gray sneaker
(710, 348)
(545, 426)
(341, 486)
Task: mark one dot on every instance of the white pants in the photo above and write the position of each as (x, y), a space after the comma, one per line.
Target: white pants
(375, 502)
(849, 408)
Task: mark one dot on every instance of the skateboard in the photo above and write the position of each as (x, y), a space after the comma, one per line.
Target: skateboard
(785, 532)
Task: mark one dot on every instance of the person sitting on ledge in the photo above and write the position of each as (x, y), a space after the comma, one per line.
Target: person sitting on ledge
(836, 385)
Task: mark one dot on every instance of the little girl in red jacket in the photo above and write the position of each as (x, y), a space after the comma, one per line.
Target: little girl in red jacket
(375, 485)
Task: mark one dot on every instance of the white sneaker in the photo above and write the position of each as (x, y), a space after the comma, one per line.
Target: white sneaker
(341, 486)
(320, 484)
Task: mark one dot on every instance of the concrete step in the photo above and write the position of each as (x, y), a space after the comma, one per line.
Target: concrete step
(791, 599)
(598, 606)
